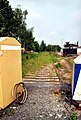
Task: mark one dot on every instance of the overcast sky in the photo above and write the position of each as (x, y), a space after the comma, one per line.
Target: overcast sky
(54, 21)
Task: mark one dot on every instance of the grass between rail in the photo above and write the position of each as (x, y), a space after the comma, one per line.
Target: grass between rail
(32, 62)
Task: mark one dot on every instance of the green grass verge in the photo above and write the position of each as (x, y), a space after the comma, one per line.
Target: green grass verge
(34, 61)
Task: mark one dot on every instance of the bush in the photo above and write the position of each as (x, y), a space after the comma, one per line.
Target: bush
(58, 65)
(73, 116)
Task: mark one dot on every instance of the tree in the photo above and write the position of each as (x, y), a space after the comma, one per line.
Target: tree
(19, 23)
(42, 46)
(12, 23)
(49, 47)
(29, 42)
(56, 48)
(36, 46)
(25, 35)
(6, 18)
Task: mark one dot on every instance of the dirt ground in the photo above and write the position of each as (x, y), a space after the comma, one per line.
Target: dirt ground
(46, 101)
(65, 72)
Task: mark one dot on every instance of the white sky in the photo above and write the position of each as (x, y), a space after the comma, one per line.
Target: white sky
(54, 21)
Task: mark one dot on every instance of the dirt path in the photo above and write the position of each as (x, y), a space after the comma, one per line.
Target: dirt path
(46, 99)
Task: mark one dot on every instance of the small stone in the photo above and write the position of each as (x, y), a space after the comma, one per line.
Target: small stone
(59, 115)
(65, 117)
(51, 115)
(58, 105)
(56, 117)
(3, 113)
(41, 116)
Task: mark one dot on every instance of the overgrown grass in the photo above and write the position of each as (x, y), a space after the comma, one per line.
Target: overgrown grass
(34, 61)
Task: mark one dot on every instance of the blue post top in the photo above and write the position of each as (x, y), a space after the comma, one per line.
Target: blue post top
(77, 68)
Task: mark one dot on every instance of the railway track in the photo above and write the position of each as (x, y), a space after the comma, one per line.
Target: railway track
(45, 74)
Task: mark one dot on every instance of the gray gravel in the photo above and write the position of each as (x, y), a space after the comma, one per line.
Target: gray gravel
(42, 104)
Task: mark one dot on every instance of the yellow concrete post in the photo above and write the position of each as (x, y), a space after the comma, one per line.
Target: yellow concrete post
(10, 69)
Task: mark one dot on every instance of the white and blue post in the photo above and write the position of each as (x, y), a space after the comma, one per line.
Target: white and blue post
(76, 82)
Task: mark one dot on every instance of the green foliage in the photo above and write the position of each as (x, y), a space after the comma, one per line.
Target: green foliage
(36, 46)
(55, 48)
(42, 46)
(73, 116)
(12, 23)
(6, 18)
(49, 47)
(19, 24)
(58, 65)
(29, 43)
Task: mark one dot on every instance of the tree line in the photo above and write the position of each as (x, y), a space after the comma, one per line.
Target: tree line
(44, 47)
(13, 24)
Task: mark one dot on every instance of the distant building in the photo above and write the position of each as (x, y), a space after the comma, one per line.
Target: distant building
(71, 49)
